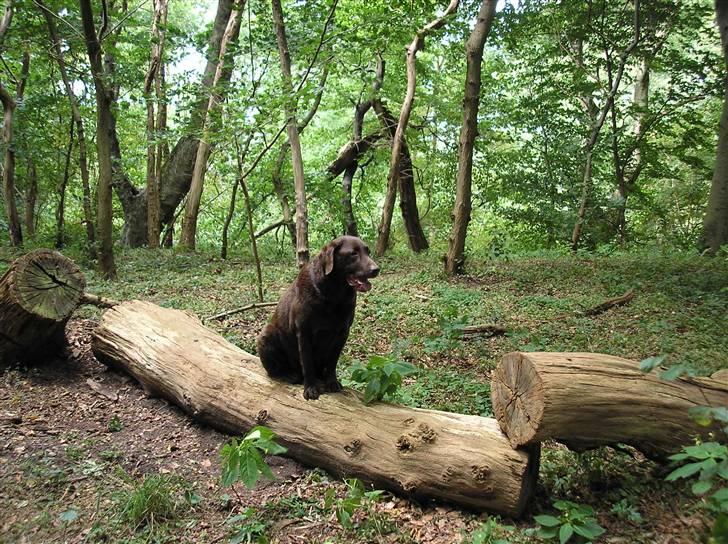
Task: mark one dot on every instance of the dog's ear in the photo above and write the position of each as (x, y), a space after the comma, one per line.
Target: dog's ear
(329, 258)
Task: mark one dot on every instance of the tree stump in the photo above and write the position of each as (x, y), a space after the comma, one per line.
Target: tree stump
(587, 400)
(460, 459)
(38, 293)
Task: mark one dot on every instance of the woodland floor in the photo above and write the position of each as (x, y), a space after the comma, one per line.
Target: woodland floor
(83, 449)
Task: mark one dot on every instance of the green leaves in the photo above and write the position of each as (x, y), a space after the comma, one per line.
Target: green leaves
(574, 519)
(356, 496)
(243, 460)
(382, 376)
(649, 364)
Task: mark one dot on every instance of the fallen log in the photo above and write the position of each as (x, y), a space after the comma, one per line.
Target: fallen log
(38, 294)
(428, 454)
(587, 400)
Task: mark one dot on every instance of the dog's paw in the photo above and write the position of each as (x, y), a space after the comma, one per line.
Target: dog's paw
(333, 385)
(311, 392)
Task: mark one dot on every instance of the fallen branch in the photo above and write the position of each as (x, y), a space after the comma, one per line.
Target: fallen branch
(241, 310)
(95, 300)
(607, 304)
(488, 329)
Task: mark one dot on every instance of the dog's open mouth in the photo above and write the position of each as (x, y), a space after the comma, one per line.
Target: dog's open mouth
(361, 284)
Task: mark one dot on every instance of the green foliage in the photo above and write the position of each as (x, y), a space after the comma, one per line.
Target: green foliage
(243, 460)
(115, 425)
(382, 376)
(624, 510)
(156, 498)
(575, 521)
(490, 532)
(247, 528)
(356, 497)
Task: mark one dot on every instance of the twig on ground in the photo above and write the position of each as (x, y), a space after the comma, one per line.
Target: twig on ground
(241, 310)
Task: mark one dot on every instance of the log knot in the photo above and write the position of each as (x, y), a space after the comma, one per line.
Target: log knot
(405, 444)
(480, 473)
(448, 474)
(353, 448)
(261, 417)
(426, 433)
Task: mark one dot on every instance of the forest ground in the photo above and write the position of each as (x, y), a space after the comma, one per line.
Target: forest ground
(84, 454)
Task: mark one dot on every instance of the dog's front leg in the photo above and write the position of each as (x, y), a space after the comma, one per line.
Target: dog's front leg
(305, 355)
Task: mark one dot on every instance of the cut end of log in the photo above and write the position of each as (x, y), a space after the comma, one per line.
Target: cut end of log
(47, 284)
(518, 398)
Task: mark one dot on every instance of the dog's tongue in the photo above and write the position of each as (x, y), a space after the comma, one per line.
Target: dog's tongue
(361, 285)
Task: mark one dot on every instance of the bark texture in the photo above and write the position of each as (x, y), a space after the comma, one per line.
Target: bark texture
(455, 257)
(461, 459)
(38, 293)
(31, 196)
(408, 200)
(587, 400)
(302, 252)
(715, 223)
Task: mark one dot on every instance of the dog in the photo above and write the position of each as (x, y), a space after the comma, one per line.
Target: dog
(305, 336)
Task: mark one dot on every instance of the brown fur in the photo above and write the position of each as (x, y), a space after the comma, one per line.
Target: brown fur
(305, 336)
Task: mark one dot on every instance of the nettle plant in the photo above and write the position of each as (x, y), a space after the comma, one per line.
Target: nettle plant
(575, 521)
(242, 460)
(382, 376)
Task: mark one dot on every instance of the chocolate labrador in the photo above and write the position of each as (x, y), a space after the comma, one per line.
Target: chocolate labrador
(304, 338)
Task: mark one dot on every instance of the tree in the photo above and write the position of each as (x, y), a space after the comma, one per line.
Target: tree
(80, 135)
(715, 223)
(189, 223)
(416, 240)
(153, 79)
(104, 126)
(9, 105)
(461, 214)
(302, 253)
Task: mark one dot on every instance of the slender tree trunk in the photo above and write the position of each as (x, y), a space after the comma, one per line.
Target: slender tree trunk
(251, 232)
(88, 219)
(596, 129)
(9, 105)
(455, 257)
(189, 221)
(152, 79)
(61, 210)
(31, 196)
(302, 253)
(417, 44)
(715, 223)
(104, 125)
(241, 154)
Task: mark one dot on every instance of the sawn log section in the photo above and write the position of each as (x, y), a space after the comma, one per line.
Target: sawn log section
(461, 459)
(586, 400)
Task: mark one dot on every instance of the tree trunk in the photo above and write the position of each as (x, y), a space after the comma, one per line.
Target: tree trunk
(61, 210)
(455, 257)
(192, 208)
(152, 79)
(302, 252)
(9, 105)
(241, 154)
(428, 454)
(38, 293)
(88, 219)
(31, 196)
(715, 223)
(596, 129)
(395, 169)
(104, 125)
(587, 400)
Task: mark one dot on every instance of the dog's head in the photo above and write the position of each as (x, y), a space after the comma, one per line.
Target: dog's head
(348, 257)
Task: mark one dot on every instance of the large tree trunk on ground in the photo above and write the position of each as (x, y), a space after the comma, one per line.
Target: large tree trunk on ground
(587, 400)
(429, 454)
(38, 293)
(715, 223)
(455, 257)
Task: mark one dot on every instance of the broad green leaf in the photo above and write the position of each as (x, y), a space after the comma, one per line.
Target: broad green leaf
(701, 487)
(649, 364)
(673, 372)
(547, 521)
(69, 515)
(565, 533)
(683, 472)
